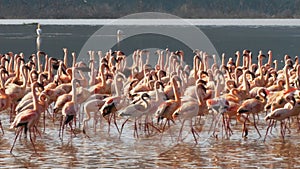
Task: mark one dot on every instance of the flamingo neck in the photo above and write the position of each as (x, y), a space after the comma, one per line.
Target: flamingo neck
(176, 90)
(167, 61)
(2, 79)
(46, 63)
(92, 79)
(223, 59)
(74, 96)
(34, 96)
(237, 64)
(38, 62)
(66, 57)
(287, 81)
(275, 65)
(24, 76)
(10, 65)
(245, 82)
(50, 69)
(199, 98)
(73, 59)
(161, 65)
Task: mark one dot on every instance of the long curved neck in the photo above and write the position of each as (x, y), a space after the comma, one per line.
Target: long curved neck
(237, 63)
(199, 97)
(146, 102)
(23, 69)
(34, 96)
(116, 86)
(259, 62)
(246, 82)
(181, 58)
(2, 79)
(275, 65)
(262, 96)
(167, 61)
(46, 63)
(38, 55)
(250, 60)
(50, 69)
(102, 75)
(195, 66)
(161, 65)
(18, 68)
(175, 89)
(223, 59)
(270, 58)
(236, 76)
(92, 79)
(287, 81)
(65, 57)
(73, 59)
(10, 65)
(74, 90)
(156, 91)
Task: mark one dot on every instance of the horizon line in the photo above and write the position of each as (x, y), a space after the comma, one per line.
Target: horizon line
(170, 21)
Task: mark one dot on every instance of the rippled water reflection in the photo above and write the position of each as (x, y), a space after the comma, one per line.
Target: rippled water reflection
(105, 150)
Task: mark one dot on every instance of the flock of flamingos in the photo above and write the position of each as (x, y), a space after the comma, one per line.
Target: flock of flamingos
(40, 89)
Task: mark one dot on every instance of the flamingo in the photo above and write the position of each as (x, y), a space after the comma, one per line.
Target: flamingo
(113, 104)
(70, 108)
(167, 108)
(28, 118)
(16, 92)
(38, 30)
(281, 114)
(136, 111)
(189, 109)
(253, 106)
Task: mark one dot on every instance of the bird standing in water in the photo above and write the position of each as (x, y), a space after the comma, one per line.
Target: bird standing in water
(38, 38)
(38, 30)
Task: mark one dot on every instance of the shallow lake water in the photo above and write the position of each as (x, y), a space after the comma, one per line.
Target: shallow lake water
(157, 150)
(108, 150)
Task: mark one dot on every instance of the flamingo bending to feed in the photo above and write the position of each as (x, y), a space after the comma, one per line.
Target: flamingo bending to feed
(253, 106)
(281, 114)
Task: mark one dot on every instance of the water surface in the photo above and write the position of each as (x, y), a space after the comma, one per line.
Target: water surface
(107, 150)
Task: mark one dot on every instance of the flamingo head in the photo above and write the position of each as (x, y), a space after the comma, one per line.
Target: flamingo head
(108, 108)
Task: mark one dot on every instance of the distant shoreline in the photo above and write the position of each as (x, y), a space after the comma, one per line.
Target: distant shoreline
(196, 22)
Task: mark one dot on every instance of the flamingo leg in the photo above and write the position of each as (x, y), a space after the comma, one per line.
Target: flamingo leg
(17, 134)
(1, 128)
(44, 113)
(245, 130)
(270, 125)
(123, 127)
(193, 132)
(72, 130)
(60, 126)
(282, 130)
(180, 131)
(31, 140)
(115, 122)
(135, 128)
(157, 129)
(256, 125)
